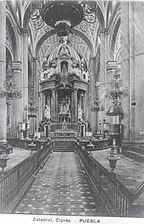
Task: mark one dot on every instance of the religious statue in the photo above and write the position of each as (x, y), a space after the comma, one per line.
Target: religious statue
(47, 112)
(47, 69)
(80, 113)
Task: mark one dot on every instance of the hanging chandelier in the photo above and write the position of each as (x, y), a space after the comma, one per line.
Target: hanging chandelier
(62, 15)
(10, 90)
(116, 93)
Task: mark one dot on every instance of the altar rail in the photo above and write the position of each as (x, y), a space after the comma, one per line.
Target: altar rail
(59, 126)
(116, 198)
(134, 150)
(16, 181)
(24, 143)
(99, 144)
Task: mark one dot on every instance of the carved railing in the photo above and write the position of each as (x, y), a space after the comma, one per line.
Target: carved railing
(116, 198)
(99, 144)
(134, 150)
(16, 181)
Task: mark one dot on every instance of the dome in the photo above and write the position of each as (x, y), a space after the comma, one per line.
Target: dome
(63, 50)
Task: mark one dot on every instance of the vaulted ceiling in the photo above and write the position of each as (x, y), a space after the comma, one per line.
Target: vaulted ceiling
(83, 38)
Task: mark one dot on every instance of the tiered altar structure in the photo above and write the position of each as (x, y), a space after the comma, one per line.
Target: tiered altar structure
(64, 86)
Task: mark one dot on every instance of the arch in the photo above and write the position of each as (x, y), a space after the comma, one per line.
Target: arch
(19, 11)
(109, 10)
(31, 5)
(114, 35)
(53, 31)
(13, 31)
(31, 38)
(101, 17)
(85, 38)
(9, 56)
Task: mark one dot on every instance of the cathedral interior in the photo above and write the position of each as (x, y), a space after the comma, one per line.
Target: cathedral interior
(71, 107)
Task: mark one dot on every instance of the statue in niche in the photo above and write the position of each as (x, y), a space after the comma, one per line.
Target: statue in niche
(64, 107)
(47, 112)
(84, 71)
(80, 113)
(76, 68)
(64, 50)
(85, 75)
(47, 69)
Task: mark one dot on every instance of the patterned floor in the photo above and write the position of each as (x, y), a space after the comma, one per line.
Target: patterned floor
(60, 188)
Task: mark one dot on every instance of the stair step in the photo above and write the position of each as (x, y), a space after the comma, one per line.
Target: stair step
(63, 146)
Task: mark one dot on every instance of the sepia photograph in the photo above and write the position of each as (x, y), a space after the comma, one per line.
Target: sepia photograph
(71, 112)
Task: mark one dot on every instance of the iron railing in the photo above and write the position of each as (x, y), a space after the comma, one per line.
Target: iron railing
(16, 181)
(116, 198)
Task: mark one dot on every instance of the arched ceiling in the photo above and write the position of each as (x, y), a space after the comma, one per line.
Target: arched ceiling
(83, 39)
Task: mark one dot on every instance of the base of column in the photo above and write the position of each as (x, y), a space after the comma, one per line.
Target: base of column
(2, 142)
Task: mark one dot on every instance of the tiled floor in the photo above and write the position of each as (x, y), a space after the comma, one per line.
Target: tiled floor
(129, 172)
(61, 188)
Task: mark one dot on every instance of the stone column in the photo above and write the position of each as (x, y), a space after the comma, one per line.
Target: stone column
(48, 100)
(16, 67)
(40, 107)
(43, 105)
(53, 103)
(36, 88)
(75, 106)
(25, 69)
(56, 105)
(92, 92)
(3, 110)
(85, 104)
(48, 97)
(104, 56)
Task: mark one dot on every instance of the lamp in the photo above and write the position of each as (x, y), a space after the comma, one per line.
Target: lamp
(62, 15)
(65, 15)
(116, 93)
(10, 90)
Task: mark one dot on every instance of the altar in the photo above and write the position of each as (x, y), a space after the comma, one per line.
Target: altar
(65, 89)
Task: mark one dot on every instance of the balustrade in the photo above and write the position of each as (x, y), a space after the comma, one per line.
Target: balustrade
(16, 181)
(116, 198)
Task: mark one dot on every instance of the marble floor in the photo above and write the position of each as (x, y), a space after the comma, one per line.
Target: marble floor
(129, 172)
(61, 188)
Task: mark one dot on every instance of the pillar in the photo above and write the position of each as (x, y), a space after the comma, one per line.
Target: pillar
(85, 103)
(36, 89)
(104, 56)
(56, 105)
(43, 105)
(92, 92)
(53, 105)
(25, 70)
(75, 108)
(17, 114)
(3, 110)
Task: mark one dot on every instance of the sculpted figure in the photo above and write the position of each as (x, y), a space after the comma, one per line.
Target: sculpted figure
(47, 112)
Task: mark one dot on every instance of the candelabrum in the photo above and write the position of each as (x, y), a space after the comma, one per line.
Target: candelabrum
(32, 147)
(116, 93)
(113, 158)
(90, 147)
(3, 162)
(10, 90)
